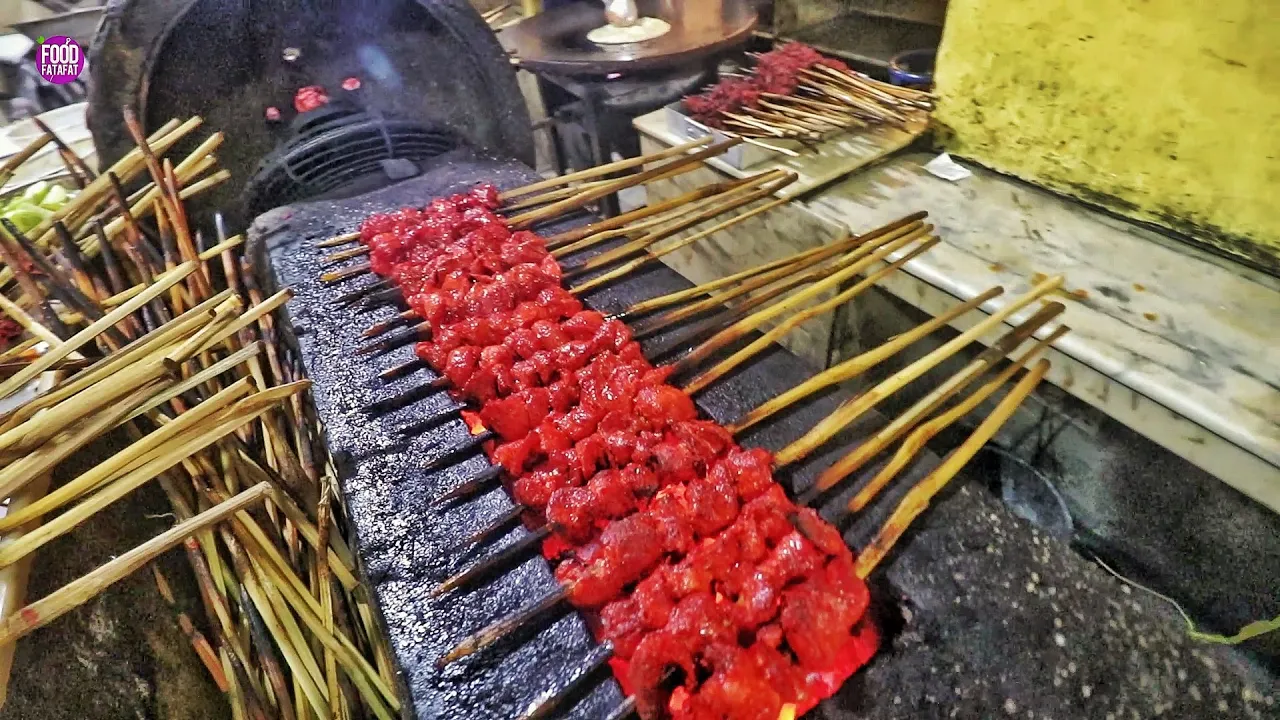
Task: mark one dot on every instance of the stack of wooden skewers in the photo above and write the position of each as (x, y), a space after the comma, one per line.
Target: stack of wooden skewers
(134, 323)
(794, 93)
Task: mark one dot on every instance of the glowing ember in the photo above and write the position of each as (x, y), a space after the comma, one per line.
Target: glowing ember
(273, 113)
(351, 83)
(309, 98)
(473, 421)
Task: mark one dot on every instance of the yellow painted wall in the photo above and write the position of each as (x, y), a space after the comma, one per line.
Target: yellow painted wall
(1164, 110)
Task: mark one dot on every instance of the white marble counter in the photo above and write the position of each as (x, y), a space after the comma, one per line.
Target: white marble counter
(1181, 347)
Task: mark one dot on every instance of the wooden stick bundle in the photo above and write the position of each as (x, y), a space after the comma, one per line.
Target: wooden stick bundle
(193, 372)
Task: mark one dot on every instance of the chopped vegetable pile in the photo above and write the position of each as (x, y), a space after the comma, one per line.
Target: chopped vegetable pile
(34, 205)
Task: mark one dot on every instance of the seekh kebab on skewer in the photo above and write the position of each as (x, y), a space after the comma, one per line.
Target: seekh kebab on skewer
(617, 561)
(622, 557)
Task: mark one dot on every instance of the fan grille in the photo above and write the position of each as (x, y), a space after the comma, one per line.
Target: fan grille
(334, 146)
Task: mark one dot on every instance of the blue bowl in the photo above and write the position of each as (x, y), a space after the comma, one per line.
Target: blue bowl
(913, 68)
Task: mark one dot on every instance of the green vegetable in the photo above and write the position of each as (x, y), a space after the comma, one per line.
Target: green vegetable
(34, 204)
(55, 198)
(25, 215)
(36, 192)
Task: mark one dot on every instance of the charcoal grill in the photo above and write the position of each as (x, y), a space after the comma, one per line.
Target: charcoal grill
(439, 131)
(431, 63)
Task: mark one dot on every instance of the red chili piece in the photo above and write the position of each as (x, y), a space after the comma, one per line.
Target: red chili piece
(9, 331)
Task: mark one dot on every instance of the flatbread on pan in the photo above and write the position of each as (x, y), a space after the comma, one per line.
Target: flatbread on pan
(646, 28)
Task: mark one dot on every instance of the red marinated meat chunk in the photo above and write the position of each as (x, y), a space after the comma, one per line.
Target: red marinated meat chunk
(663, 404)
(695, 623)
(691, 554)
(624, 552)
(738, 688)
(818, 617)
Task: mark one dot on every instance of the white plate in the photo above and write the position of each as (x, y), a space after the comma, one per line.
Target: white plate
(46, 164)
(68, 122)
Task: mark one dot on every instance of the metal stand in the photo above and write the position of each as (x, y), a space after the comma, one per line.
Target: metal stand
(591, 116)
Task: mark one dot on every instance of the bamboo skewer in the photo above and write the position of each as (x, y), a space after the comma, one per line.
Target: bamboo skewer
(855, 366)
(865, 255)
(684, 242)
(338, 240)
(763, 276)
(551, 196)
(918, 499)
(768, 338)
(914, 442)
(160, 459)
(756, 188)
(544, 707)
(573, 240)
(685, 163)
(792, 275)
(122, 461)
(607, 169)
(76, 593)
(646, 306)
(32, 290)
(932, 401)
(855, 407)
(143, 347)
(701, 331)
(134, 386)
(500, 629)
(15, 161)
(38, 331)
(33, 432)
(79, 339)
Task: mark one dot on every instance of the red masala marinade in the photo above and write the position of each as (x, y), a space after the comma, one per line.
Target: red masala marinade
(723, 599)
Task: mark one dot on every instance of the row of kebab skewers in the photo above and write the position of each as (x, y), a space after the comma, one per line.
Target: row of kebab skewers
(713, 593)
(795, 92)
(133, 323)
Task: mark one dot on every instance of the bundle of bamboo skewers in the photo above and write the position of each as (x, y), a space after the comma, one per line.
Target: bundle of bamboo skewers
(133, 324)
(793, 93)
